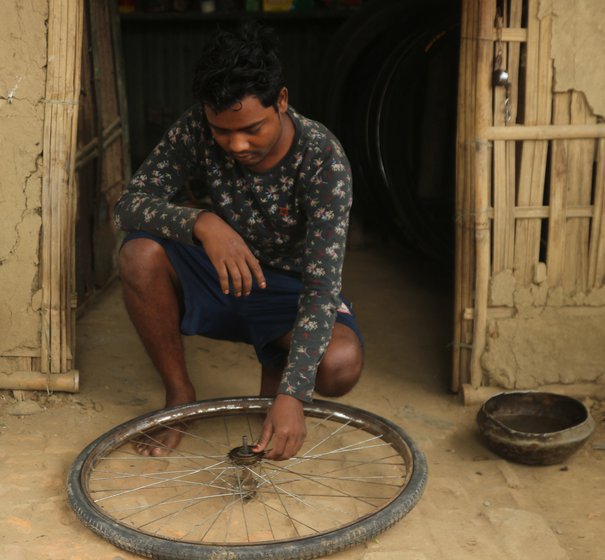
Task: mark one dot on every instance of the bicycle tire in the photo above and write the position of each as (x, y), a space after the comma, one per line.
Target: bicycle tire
(307, 547)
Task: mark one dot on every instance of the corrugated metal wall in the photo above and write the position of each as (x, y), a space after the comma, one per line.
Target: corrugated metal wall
(160, 55)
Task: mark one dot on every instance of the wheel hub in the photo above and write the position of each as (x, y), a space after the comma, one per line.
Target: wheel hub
(243, 455)
(244, 481)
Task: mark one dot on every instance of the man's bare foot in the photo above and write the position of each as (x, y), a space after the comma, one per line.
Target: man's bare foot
(161, 442)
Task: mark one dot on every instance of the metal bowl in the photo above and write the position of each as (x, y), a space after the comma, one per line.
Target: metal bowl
(534, 428)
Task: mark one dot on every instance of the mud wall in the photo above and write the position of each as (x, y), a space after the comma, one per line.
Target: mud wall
(577, 47)
(22, 85)
(538, 335)
(541, 334)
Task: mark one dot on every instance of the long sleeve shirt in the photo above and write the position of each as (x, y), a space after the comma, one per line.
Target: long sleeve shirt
(293, 217)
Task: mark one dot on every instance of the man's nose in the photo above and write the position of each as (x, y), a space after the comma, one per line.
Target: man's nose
(238, 143)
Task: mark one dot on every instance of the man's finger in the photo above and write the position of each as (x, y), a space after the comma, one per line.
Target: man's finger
(294, 446)
(264, 439)
(257, 271)
(223, 277)
(246, 280)
(236, 279)
(279, 446)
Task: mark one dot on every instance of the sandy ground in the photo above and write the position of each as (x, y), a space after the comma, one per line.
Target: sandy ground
(476, 505)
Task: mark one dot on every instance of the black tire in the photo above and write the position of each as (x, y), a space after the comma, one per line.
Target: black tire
(306, 547)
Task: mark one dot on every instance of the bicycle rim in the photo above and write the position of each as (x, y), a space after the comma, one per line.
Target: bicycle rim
(356, 475)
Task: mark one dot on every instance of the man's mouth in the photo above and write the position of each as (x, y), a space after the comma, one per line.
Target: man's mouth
(244, 156)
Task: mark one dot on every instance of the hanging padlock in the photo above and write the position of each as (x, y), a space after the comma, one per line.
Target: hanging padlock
(500, 78)
(499, 75)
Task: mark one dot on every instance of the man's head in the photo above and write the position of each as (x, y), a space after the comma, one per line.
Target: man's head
(239, 64)
(240, 85)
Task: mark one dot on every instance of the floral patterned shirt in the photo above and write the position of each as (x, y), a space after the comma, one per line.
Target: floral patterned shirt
(293, 217)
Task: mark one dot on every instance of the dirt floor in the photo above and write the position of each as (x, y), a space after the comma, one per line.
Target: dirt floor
(476, 505)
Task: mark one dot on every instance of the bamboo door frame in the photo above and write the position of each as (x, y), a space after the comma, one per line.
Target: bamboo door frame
(59, 197)
(65, 20)
(482, 142)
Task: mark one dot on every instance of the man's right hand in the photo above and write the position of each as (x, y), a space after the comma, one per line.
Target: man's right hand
(285, 424)
(229, 254)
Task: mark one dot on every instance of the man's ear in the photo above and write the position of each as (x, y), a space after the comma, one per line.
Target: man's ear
(282, 100)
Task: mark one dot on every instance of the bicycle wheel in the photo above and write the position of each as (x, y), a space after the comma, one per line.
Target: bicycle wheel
(213, 498)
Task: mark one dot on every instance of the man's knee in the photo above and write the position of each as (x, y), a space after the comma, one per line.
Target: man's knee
(142, 263)
(139, 258)
(339, 370)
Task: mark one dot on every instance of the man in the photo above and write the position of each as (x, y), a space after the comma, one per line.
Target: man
(263, 266)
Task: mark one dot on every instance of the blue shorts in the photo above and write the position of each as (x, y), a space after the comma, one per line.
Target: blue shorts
(258, 319)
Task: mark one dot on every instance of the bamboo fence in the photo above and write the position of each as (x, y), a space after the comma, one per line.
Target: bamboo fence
(53, 368)
(529, 190)
(85, 168)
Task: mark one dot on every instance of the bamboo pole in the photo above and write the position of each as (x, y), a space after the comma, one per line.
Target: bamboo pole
(35, 381)
(464, 256)
(71, 297)
(513, 33)
(534, 212)
(546, 132)
(59, 145)
(534, 153)
(90, 151)
(73, 60)
(514, 71)
(502, 202)
(557, 216)
(481, 173)
(52, 176)
(577, 230)
(568, 211)
(513, 67)
(596, 268)
(460, 158)
(503, 209)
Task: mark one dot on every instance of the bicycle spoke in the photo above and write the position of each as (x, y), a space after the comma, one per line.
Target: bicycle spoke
(194, 435)
(269, 524)
(176, 512)
(292, 520)
(350, 465)
(216, 517)
(315, 480)
(341, 427)
(377, 480)
(117, 475)
(173, 453)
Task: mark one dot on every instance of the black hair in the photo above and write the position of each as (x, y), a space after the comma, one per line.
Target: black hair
(236, 64)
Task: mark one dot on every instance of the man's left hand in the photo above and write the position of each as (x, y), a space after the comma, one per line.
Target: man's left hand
(285, 423)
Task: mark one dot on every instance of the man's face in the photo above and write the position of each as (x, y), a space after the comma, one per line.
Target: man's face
(249, 132)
